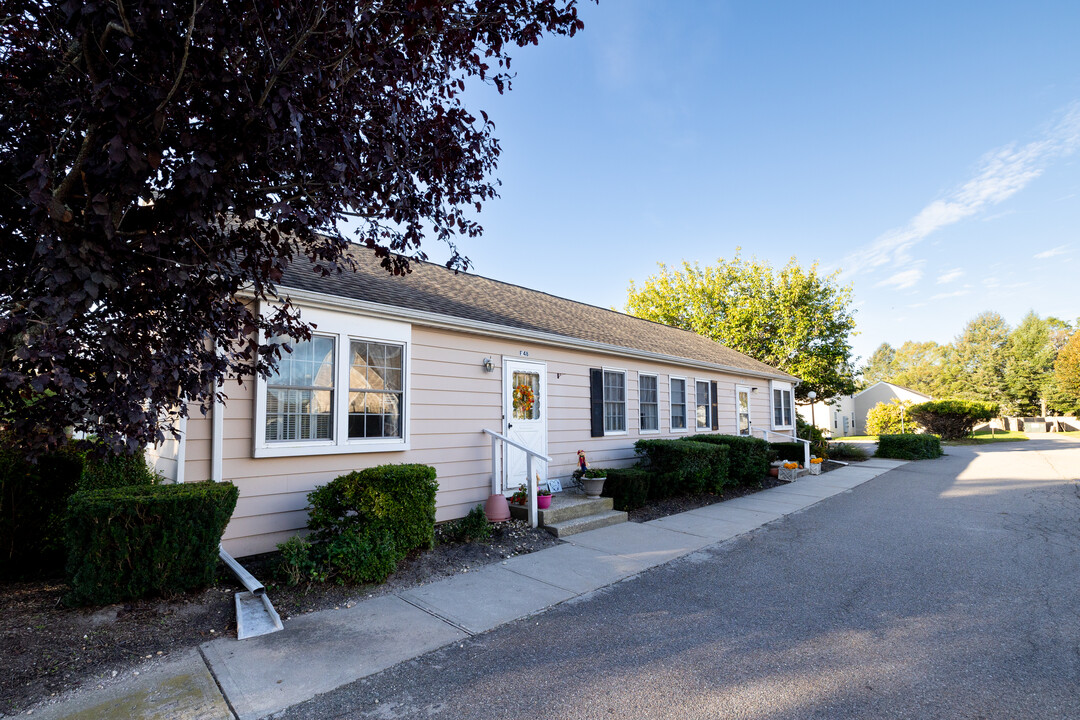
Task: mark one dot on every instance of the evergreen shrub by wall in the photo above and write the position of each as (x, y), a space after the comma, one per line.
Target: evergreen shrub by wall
(33, 498)
(113, 471)
(142, 540)
(678, 467)
(788, 451)
(748, 457)
(369, 520)
(627, 487)
(909, 447)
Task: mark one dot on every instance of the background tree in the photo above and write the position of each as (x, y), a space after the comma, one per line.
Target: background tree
(797, 320)
(1067, 371)
(879, 367)
(157, 158)
(979, 359)
(924, 366)
(1029, 366)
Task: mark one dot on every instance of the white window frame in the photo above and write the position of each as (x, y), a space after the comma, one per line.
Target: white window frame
(625, 402)
(671, 407)
(707, 427)
(787, 388)
(344, 328)
(656, 378)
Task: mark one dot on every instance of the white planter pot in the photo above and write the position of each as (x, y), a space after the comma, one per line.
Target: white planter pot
(815, 468)
(788, 474)
(593, 486)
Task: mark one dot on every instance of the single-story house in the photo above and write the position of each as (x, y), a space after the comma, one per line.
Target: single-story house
(845, 415)
(416, 368)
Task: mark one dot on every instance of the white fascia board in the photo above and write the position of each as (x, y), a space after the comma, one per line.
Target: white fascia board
(447, 322)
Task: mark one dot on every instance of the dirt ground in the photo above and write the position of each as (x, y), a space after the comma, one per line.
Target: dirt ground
(47, 649)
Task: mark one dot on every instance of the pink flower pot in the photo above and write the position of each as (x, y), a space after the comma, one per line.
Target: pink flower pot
(543, 501)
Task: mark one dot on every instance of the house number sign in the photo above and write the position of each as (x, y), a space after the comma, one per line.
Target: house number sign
(523, 353)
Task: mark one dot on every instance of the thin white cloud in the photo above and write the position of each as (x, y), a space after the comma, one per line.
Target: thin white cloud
(999, 175)
(902, 279)
(955, 293)
(1052, 252)
(949, 275)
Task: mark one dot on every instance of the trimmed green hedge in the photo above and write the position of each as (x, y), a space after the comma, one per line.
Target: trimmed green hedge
(628, 488)
(789, 451)
(33, 499)
(370, 520)
(678, 467)
(952, 419)
(113, 471)
(909, 447)
(748, 457)
(144, 540)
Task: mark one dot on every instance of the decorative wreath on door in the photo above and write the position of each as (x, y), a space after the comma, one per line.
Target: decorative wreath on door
(524, 399)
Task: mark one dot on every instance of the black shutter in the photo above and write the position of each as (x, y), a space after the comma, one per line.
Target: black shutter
(715, 407)
(596, 397)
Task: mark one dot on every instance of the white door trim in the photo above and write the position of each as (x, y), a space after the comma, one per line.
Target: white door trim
(749, 415)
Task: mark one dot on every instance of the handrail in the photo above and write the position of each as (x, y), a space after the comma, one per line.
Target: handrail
(496, 438)
(792, 436)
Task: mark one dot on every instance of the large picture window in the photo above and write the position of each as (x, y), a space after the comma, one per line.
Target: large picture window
(648, 403)
(300, 396)
(678, 404)
(376, 389)
(346, 390)
(614, 401)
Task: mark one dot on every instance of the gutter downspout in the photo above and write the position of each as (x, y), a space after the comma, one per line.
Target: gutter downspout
(254, 613)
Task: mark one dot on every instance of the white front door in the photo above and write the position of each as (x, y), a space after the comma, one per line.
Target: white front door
(525, 410)
(742, 409)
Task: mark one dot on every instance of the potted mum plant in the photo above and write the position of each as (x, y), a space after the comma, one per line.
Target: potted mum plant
(592, 480)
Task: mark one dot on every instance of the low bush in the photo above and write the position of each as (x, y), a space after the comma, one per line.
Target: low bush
(144, 540)
(298, 562)
(819, 444)
(474, 526)
(952, 419)
(371, 519)
(113, 471)
(787, 451)
(848, 451)
(748, 457)
(678, 467)
(33, 499)
(628, 488)
(909, 447)
(890, 418)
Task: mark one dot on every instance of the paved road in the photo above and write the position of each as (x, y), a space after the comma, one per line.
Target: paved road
(943, 589)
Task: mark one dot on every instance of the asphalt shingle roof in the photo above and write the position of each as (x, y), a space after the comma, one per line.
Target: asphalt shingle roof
(435, 289)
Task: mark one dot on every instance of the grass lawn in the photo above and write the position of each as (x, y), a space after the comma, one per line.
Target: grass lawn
(983, 437)
(1071, 433)
(855, 438)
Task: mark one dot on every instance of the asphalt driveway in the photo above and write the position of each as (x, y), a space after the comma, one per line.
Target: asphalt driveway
(942, 589)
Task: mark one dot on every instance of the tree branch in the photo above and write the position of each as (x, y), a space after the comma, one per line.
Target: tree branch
(183, 60)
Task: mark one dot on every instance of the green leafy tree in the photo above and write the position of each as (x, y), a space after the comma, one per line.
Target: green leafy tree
(1029, 366)
(879, 367)
(1067, 371)
(979, 357)
(795, 319)
(925, 367)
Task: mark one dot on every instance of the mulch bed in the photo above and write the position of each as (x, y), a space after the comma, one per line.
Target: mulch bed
(47, 649)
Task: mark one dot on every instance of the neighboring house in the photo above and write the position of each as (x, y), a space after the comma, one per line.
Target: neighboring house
(846, 414)
(416, 368)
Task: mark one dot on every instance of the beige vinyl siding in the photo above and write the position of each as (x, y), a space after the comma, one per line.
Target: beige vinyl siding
(451, 401)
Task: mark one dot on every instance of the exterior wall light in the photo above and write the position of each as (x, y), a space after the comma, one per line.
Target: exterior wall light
(488, 365)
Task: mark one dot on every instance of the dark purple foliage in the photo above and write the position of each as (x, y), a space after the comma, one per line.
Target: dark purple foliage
(162, 163)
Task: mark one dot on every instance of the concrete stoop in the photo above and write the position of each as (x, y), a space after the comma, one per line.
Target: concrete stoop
(572, 513)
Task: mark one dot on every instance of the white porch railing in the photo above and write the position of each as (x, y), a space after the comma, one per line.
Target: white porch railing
(499, 442)
(788, 438)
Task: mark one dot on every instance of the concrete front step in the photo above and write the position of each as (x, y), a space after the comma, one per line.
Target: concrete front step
(587, 522)
(565, 506)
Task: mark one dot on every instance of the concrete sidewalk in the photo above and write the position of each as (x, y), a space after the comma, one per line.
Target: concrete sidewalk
(321, 651)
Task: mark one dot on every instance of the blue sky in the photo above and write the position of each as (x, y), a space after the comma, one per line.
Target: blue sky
(929, 150)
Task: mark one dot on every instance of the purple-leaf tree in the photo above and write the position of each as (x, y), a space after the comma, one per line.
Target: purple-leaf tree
(162, 163)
